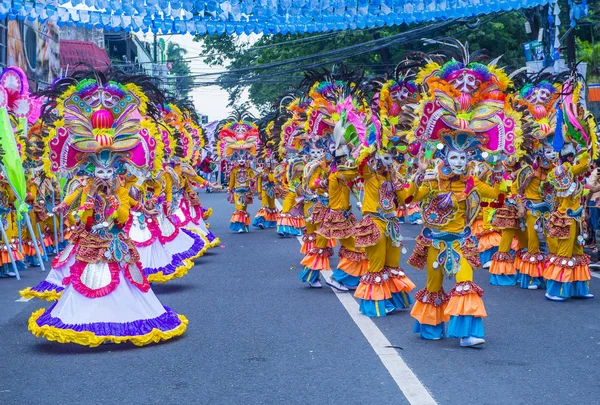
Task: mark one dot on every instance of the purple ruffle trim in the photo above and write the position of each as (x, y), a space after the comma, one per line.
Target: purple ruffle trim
(178, 258)
(46, 286)
(166, 322)
(210, 237)
(196, 247)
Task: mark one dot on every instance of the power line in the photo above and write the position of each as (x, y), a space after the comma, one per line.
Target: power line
(329, 57)
(261, 78)
(309, 40)
(377, 43)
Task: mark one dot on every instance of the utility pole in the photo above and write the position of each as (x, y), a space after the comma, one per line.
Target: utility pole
(154, 71)
(571, 56)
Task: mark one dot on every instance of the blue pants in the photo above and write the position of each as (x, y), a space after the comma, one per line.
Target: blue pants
(594, 216)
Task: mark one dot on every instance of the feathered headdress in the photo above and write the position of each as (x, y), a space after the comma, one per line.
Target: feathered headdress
(97, 114)
(574, 124)
(467, 96)
(238, 136)
(536, 101)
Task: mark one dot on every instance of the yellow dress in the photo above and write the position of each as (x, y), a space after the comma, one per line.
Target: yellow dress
(488, 238)
(449, 205)
(385, 287)
(316, 247)
(567, 272)
(536, 196)
(338, 223)
(240, 188)
(290, 221)
(503, 270)
(266, 217)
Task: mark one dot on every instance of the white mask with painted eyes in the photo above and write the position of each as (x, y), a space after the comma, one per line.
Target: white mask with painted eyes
(457, 161)
(465, 82)
(316, 153)
(539, 96)
(386, 159)
(104, 173)
(550, 153)
(404, 93)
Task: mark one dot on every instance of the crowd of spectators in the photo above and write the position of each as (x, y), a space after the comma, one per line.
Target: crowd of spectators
(213, 170)
(593, 210)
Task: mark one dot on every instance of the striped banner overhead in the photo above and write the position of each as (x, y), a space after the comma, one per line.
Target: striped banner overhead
(218, 17)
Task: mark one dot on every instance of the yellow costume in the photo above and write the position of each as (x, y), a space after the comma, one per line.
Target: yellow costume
(240, 189)
(450, 204)
(567, 273)
(503, 271)
(536, 198)
(266, 217)
(338, 223)
(385, 287)
(290, 221)
(316, 247)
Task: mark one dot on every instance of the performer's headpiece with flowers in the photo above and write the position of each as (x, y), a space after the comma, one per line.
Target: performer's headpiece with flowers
(238, 137)
(99, 122)
(465, 96)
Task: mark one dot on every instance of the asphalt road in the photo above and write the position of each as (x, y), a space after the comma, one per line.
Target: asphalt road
(257, 335)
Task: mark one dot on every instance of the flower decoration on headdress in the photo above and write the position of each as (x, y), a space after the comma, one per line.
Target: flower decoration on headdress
(191, 126)
(290, 124)
(539, 99)
(269, 140)
(536, 101)
(98, 114)
(16, 94)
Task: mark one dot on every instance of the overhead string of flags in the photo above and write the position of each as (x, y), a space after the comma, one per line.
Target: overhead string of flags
(220, 17)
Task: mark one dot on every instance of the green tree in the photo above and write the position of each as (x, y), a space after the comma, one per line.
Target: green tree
(590, 53)
(501, 34)
(180, 68)
(504, 35)
(266, 84)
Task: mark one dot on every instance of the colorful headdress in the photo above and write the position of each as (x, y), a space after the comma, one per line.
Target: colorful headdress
(467, 97)
(269, 140)
(238, 137)
(98, 116)
(574, 124)
(395, 101)
(15, 108)
(536, 101)
(193, 128)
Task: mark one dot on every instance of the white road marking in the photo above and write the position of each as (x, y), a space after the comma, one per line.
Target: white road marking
(410, 385)
(23, 299)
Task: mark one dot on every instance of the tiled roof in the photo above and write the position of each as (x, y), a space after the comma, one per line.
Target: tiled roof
(74, 52)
